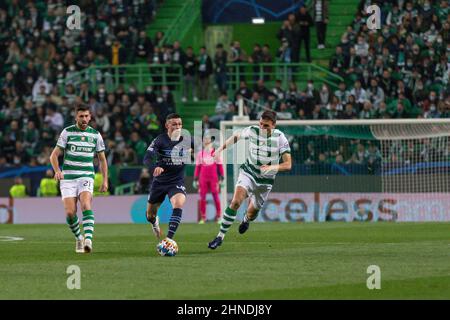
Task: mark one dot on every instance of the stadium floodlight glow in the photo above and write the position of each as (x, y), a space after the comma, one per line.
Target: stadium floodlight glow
(258, 20)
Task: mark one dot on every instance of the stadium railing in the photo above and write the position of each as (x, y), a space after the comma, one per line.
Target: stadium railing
(285, 72)
(156, 75)
(125, 189)
(139, 75)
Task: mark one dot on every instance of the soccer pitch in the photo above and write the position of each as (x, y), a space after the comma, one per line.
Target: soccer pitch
(271, 261)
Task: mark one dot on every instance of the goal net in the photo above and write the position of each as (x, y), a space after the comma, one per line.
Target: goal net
(354, 170)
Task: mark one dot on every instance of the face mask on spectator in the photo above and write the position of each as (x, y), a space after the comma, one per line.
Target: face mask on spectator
(60, 67)
(310, 86)
(30, 80)
(426, 6)
(72, 68)
(159, 99)
(36, 34)
(15, 67)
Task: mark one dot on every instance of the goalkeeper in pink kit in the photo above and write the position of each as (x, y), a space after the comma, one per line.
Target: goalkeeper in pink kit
(207, 177)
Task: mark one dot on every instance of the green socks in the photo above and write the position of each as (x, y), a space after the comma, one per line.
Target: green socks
(88, 224)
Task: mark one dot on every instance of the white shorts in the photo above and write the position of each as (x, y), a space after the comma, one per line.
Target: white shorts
(258, 193)
(73, 188)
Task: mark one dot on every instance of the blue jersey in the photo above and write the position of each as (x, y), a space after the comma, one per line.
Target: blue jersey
(170, 155)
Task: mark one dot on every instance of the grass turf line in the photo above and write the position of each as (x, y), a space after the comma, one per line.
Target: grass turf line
(271, 261)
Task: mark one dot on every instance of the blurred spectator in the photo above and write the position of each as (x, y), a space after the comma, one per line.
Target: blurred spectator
(303, 18)
(204, 64)
(48, 186)
(321, 18)
(220, 68)
(143, 184)
(220, 110)
(98, 181)
(18, 190)
(189, 65)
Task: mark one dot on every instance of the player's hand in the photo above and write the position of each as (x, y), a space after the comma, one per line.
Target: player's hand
(158, 171)
(195, 184)
(104, 187)
(59, 176)
(265, 168)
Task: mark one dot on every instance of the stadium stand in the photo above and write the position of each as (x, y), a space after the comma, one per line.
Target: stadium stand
(400, 71)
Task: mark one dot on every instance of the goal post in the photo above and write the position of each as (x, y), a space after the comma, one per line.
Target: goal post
(403, 161)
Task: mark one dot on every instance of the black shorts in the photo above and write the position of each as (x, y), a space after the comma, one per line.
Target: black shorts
(158, 191)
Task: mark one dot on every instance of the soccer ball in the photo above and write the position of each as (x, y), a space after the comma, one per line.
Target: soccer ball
(167, 247)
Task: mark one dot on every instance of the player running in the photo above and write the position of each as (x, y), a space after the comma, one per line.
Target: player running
(79, 143)
(207, 175)
(266, 145)
(172, 152)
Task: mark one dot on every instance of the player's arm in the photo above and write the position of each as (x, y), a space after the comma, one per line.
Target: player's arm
(286, 165)
(151, 153)
(104, 170)
(57, 151)
(229, 142)
(103, 164)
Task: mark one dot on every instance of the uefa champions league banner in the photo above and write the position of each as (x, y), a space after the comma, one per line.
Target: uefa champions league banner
(232, 11)
(282, 207)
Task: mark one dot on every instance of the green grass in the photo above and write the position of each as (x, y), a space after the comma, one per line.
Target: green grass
(271, 261)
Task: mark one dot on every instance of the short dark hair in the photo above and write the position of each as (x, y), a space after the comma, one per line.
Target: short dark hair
(173, 116)
(82, 107)
(269, 115)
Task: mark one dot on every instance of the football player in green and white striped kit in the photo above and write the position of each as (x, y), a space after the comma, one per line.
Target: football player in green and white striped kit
(266, 146)
(79, 143)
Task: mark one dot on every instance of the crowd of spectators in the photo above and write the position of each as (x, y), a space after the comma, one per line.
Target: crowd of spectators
(400, 71)
(38, 52)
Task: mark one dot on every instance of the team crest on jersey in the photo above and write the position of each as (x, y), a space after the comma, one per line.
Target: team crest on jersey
(83, 138)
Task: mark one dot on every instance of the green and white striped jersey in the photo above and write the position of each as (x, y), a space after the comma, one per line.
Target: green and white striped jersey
(263, 150)
(79, 148)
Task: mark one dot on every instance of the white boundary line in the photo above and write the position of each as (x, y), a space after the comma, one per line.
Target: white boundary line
(8, 238)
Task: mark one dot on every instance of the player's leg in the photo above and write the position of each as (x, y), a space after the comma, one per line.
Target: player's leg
(88, 219)
(260, 195)
(214, 186)
(155, 198)
(177, 200)
(203, 189)
(240, 194)
(152, 217)
(250, 215)
(69, 198)
(70, 208)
